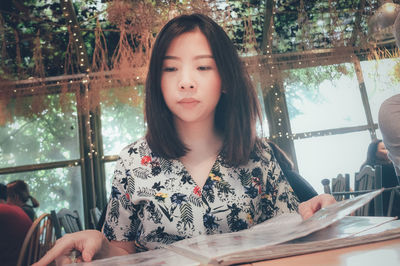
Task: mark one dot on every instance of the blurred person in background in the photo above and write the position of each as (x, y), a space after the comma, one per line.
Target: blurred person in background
(389, 116)
(18, 194)
(377, 154)
(14, 224)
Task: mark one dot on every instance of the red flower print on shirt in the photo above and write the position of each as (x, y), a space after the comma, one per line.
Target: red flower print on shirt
(127, 196)
(197, 191)
(145, 160)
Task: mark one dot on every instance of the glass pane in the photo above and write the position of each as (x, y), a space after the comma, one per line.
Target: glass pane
(264, 131)
(54, 189)
(48, 135)
(109, 176)
(122, 118)
(323, 97)
(328, 156)
(382, 80)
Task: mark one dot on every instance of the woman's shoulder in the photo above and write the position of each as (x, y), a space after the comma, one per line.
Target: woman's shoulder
(138, 148)
(262, 148)
(261, 152)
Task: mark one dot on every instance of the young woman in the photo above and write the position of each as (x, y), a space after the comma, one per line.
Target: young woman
(18, 194)
(200, 169)
(377, 154)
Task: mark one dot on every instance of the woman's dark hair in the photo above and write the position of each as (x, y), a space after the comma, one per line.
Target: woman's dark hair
(371, 154)
(283, 159)
(237, 110)
(19, 189)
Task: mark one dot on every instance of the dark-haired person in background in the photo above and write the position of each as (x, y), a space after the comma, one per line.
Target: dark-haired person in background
(303, 190)
(14, 224)
(18, 194)
(377, 154)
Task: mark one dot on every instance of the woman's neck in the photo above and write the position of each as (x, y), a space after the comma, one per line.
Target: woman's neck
(200, 137)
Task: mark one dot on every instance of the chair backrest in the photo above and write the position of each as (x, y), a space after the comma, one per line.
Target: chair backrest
(95, 215)
(365, 179)
(69, 220)
(339, 185)
(39, 239)
(56, 224)
(327, 189)
(369, 179)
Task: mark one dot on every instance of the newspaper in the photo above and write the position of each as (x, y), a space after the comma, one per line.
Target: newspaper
(281, 236)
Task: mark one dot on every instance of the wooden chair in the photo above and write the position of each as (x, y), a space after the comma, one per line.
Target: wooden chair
(339, 188)
(56, 224)
(394, 194)
(366, 180)
(68, 220)
(39, 239)
(95, 215)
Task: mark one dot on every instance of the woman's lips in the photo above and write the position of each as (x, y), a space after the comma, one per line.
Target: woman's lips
(188, 102)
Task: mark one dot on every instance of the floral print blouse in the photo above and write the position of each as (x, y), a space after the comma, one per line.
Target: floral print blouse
(155, 201)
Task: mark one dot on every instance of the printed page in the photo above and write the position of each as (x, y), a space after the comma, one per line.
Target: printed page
(148, 258)
(386, 231)
(347, 227)
(208, 249)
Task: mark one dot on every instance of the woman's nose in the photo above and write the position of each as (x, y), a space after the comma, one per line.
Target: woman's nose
(185, 86)
(186, 82)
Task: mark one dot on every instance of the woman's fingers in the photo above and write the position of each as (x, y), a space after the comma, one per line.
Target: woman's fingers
(308, 208)
(71, 246)
(61, 251)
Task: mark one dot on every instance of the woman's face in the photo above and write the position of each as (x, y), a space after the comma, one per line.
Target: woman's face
(381, 152)
(190, 81)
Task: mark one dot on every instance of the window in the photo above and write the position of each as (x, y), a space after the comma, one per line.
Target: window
(122, 123)
(326, 100)
(46, 138)
(381, 81)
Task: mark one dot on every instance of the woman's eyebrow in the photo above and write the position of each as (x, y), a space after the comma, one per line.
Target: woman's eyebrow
(171, 57)
(203, 56)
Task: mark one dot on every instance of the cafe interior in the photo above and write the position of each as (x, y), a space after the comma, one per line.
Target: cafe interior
(72, 77)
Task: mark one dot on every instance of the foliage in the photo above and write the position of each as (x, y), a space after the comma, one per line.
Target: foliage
(49, 136)
(34, 38)
(121, 119)
(305, 82)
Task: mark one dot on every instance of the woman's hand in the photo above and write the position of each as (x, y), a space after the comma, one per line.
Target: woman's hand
(88, 243)
(311, 206)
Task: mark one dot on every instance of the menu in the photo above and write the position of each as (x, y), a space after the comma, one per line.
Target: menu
(281, 236)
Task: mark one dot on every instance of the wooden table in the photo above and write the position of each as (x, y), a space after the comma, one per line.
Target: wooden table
(384, 253)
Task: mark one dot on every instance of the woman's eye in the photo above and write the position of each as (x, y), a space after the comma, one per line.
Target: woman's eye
(169, 69)
(202, 68)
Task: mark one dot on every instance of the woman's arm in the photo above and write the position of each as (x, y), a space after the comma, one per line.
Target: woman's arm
(91, 244)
